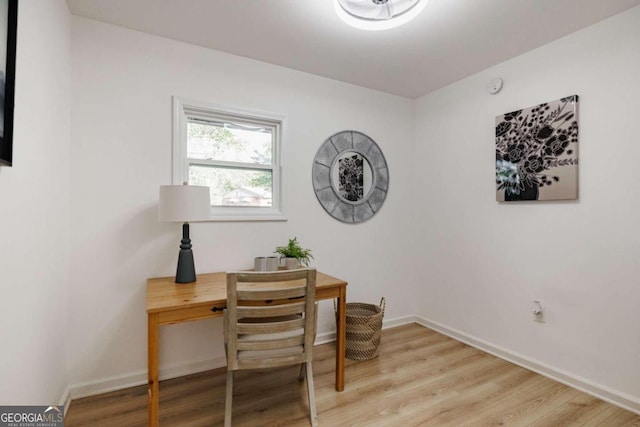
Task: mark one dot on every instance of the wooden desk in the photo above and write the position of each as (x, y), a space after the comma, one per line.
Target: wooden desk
(169, 302)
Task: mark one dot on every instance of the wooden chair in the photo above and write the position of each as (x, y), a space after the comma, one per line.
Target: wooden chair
(270, 321)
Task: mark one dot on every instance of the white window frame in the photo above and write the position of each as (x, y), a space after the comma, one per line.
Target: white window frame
(184, 108)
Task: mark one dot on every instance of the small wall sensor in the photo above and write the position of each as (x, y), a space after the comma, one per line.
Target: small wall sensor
(494, 86)
(538, 312)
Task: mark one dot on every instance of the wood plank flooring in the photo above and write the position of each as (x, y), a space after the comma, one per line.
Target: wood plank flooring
(422, 378)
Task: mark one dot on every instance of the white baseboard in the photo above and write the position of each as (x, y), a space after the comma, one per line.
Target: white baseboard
(65, 400)
(137, 378)
(614, 397)
(325, 337)
(140, 377)
(399, 321)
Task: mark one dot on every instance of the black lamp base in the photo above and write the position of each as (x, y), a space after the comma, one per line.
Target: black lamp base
(186, 272)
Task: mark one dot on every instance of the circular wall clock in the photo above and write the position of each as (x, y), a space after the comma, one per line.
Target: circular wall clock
(350, 176)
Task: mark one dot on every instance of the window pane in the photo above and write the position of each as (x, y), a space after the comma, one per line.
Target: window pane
(229, 142)
(234, 187)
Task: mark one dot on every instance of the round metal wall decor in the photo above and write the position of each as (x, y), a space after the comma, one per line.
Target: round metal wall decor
(350, 176)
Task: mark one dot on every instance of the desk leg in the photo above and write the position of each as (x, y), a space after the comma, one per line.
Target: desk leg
(152, 369)
(341, 336)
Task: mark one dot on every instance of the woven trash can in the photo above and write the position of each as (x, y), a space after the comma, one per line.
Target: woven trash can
(364, 327)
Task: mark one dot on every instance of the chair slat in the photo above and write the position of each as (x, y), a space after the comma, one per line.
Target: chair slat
(257, 294)
(271, 344)
(268, 311)
(270, 328)
(271, 276)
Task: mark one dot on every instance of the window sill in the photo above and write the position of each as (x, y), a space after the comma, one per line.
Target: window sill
(236, 217)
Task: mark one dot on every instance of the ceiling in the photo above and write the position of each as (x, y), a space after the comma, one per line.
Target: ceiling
(450, 40)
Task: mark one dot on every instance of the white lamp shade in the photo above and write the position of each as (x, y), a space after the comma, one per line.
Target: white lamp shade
(184, 203)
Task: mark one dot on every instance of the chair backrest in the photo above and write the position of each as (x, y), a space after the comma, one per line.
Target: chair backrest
(270, 318)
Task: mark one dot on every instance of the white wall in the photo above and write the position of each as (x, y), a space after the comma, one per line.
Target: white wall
(34, 213)
(484, 262)
(122, 83)
(478, 264)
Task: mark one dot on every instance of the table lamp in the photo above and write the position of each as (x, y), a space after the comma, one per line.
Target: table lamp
(184, 203)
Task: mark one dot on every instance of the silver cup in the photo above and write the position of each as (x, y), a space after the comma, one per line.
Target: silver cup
(272, 263)
(260, 263)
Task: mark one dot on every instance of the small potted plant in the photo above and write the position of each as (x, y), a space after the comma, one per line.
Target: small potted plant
(294, 255)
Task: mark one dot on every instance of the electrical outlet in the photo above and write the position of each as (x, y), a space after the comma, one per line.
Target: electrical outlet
(538, 312)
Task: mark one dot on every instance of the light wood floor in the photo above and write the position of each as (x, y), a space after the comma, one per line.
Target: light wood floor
(421, 378)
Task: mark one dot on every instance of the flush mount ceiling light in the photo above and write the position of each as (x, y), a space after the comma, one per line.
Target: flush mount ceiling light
(378, 14)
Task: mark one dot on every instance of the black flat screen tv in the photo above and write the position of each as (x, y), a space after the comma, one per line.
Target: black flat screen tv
(8, 33)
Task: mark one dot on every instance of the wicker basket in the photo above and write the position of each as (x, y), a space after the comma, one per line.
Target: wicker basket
(364, 326)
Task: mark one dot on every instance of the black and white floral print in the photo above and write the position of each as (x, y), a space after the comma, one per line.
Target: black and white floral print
(531, 143)
(351, 176)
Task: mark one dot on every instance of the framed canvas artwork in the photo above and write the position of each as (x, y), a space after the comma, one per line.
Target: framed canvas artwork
(537, 152)
(8, 31)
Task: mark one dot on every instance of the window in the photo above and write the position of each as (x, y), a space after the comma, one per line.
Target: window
(233, 152)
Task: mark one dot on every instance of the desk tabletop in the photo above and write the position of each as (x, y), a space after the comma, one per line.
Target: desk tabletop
(210, 288)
